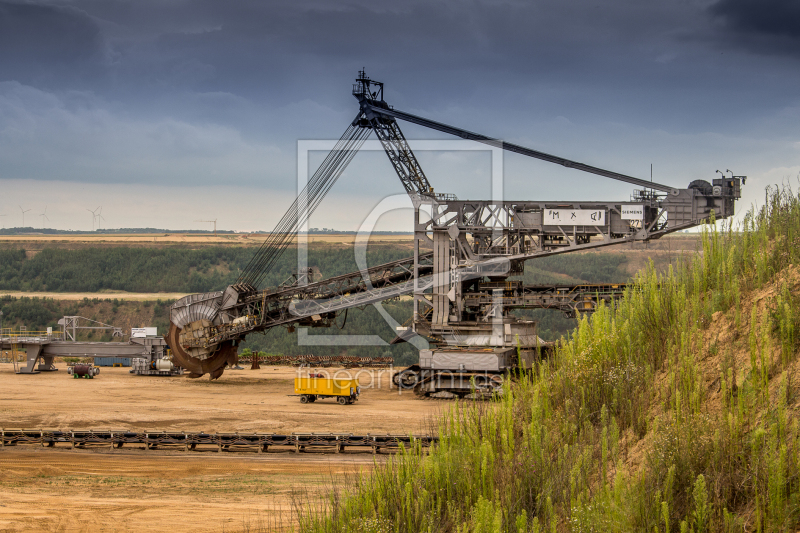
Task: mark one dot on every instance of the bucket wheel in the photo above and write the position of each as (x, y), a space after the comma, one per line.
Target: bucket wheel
(214, 365)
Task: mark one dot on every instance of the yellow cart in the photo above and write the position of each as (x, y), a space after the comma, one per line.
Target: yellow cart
(316, 387)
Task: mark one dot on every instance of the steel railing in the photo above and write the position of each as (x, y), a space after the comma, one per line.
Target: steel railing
(10, 336)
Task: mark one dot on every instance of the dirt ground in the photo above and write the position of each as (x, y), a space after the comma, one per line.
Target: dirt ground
(134, 489)
(89, 491)
(241, 400)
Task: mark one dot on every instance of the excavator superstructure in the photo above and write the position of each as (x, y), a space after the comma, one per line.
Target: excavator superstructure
(465, 251)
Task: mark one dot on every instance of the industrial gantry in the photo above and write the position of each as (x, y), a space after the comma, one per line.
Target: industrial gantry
(464, 253)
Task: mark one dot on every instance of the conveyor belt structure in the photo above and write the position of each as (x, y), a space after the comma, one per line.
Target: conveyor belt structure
(219, 441)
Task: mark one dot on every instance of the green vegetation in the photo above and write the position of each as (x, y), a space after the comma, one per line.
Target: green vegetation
(178, 269)
(37, 314)
(594, 267)
(162, 269)
(675, 412)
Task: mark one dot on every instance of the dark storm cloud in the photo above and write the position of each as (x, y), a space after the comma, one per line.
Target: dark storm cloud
(163, 84)
(771, 26)
(291, 51)
(211, 45)
(769, 17)
(432, 54)
(45, 43)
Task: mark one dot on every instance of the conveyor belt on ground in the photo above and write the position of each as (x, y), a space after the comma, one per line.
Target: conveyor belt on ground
(220, 442)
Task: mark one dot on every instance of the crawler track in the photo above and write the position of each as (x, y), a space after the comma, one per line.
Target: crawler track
(220, 442)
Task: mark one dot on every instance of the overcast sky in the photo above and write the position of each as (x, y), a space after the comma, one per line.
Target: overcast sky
(170, 111)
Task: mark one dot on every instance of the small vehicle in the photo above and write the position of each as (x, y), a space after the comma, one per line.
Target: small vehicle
(81, 370)
(317, 387)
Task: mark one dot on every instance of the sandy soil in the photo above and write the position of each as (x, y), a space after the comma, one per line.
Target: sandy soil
(62, 490)
(241, 400)
(88, 491)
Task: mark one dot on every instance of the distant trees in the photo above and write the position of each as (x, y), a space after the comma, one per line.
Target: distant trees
(34, 313)
(37, 314)
(162, 269)
(577, 268)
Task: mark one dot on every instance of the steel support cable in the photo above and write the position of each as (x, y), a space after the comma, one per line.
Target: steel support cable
(316, 199)
(315, 195)
(317, 186)
(314, 192)
(278, 239)
(277, 235)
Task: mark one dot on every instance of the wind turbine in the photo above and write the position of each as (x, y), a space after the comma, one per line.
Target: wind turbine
(44, 216)
(3, 216)
(23, 214)
(99, 216)
(94, 214)
(210, 222)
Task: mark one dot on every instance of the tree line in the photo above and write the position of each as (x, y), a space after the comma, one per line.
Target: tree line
(135, 269)
(164, 269)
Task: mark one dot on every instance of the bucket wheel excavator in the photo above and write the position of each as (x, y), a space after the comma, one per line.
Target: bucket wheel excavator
(464, 253)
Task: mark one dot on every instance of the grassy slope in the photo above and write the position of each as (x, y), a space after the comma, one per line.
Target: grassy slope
(676, 412)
